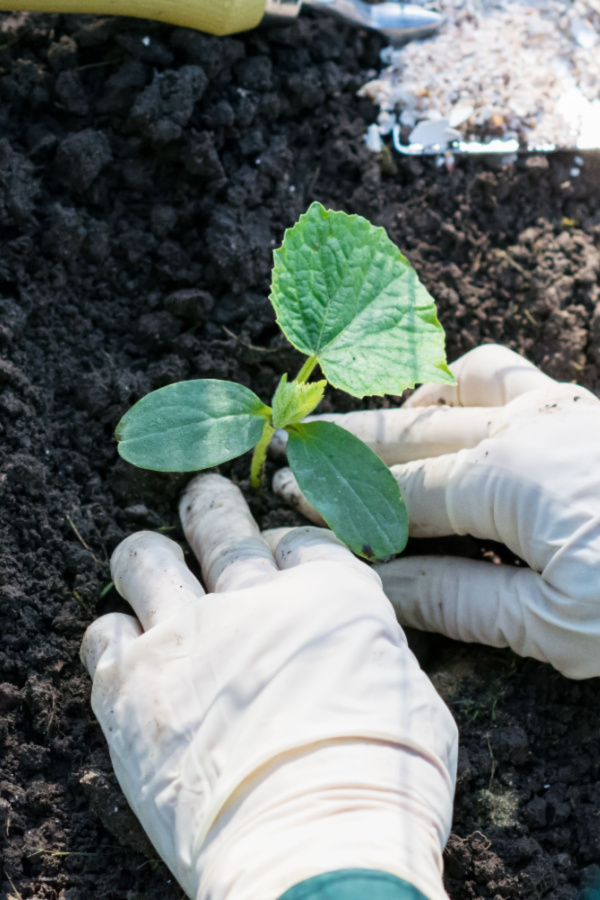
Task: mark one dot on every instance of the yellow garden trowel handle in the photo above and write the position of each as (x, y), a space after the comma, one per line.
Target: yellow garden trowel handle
(213, 16)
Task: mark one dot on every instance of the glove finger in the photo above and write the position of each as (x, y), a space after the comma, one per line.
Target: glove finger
(423, 484)
(401, 435)
(278, 444)
(502, 606)
(489, 375)
(285, 484)
(223, 535)
(108, 635)
(298, 546)
(149, 571)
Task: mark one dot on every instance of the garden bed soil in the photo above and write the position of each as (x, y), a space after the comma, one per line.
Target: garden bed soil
(146, 174)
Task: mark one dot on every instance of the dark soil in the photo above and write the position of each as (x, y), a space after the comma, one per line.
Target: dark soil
(146, 173)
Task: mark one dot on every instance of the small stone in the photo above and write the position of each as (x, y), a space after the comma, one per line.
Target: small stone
(137, 513)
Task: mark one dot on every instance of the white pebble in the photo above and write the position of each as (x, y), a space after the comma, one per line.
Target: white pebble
(373, 139)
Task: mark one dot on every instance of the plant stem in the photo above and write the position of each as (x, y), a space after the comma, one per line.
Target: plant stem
(306, 370)
(259, 456)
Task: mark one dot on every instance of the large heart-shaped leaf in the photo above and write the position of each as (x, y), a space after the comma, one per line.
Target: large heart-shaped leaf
(191, 425)
(354, 491)
(345, 295)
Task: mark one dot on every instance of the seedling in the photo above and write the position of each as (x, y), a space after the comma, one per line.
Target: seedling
(347, 298)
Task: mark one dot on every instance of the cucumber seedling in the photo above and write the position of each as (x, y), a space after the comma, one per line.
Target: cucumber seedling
(347, 298)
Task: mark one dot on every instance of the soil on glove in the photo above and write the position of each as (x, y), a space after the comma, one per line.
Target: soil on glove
(146, 174)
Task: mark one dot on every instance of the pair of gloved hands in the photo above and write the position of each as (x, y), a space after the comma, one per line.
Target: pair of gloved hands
(279, 727)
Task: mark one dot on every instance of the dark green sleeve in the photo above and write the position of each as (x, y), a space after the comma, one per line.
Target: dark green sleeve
(354, 884)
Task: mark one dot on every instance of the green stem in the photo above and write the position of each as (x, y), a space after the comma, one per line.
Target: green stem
(306, 370)
(259, 456)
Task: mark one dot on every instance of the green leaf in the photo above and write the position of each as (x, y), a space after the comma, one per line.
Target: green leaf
(292, 401)
(191, 425)
(354, 491)
(345, 295)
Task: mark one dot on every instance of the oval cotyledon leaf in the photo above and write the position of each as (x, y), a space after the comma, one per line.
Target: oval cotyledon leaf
(191, 425)
(351, 487)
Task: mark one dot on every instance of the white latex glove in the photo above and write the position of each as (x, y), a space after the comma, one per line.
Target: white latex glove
(278, 727)
(517, 462)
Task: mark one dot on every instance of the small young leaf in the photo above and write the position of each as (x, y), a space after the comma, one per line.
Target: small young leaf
(191, 425)
(344, 294)
(354, 491)
(292, 402)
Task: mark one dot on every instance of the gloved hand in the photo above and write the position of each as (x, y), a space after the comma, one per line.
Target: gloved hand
(278, 727)
(515, 458)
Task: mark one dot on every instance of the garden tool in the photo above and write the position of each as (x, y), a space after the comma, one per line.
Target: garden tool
(399, 22)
